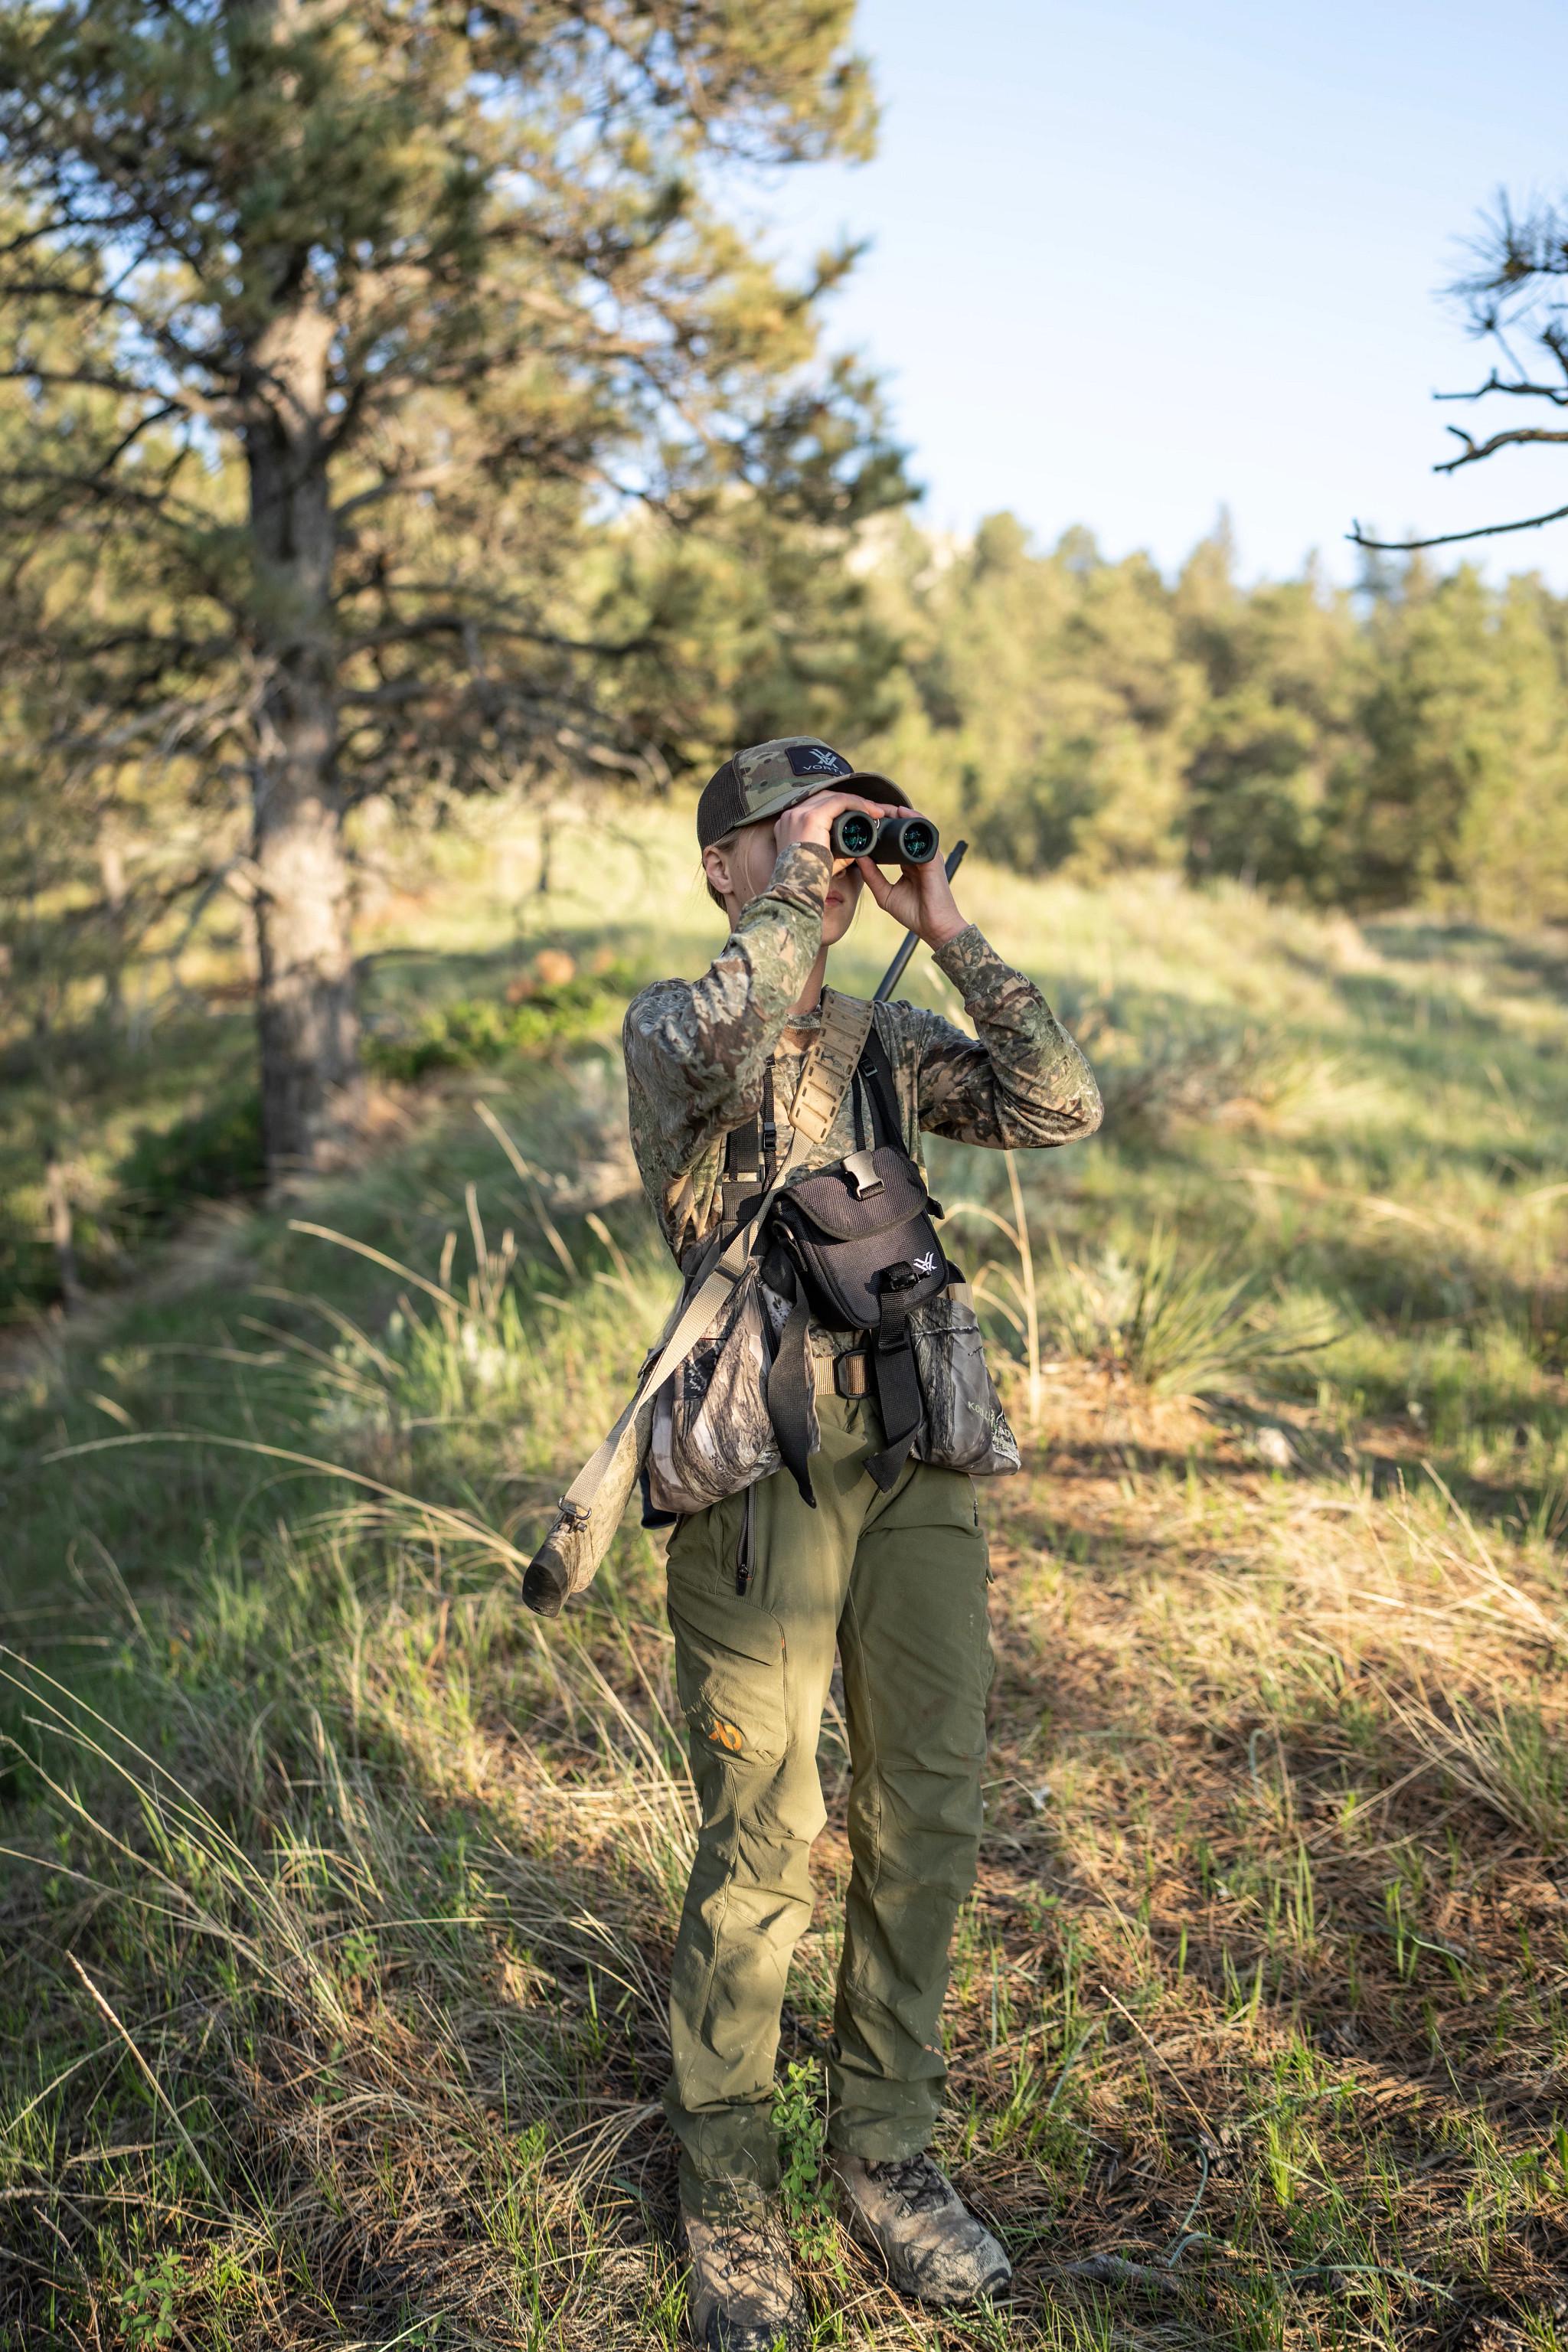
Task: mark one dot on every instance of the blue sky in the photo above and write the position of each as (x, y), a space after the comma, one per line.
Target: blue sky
(1132, 260)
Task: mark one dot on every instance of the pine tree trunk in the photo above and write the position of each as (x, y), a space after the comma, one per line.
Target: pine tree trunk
(305, 1008)
(305, 991)
(111, 874)
(62, 1232)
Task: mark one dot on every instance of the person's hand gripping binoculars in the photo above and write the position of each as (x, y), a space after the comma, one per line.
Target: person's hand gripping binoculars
(868, 834)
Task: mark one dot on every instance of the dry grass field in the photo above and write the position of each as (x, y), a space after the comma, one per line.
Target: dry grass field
(338, 1892)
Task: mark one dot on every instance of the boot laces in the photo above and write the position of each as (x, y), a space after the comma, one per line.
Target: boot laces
(915, 2178)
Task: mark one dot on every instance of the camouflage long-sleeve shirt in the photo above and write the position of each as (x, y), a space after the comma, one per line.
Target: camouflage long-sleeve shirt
(696, 1052)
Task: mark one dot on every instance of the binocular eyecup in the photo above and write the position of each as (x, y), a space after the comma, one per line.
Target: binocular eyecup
(889, 840)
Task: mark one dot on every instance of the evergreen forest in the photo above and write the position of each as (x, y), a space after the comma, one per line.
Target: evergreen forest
(1399, 744)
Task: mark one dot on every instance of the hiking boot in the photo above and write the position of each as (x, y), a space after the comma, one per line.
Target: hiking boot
(743, 2296)
(930, 2241)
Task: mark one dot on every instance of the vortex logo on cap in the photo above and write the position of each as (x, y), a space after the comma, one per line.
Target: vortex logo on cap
(817, 760)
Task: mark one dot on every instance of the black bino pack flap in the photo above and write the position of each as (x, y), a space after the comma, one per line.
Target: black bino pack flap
(868, 1193)
(854, 1246)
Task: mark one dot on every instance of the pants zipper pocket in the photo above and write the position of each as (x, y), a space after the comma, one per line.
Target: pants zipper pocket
(746, 1558)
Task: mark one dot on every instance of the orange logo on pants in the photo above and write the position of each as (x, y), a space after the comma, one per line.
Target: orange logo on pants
(728, 1735)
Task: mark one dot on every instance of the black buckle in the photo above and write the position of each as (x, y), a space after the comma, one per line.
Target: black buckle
(739, 1199)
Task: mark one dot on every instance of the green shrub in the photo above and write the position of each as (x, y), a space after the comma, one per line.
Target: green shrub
(475, 1030)
(212, 1155)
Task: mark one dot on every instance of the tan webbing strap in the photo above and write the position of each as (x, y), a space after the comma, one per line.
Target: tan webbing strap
(825, 1080)
(829, 1067)
(679, 1337)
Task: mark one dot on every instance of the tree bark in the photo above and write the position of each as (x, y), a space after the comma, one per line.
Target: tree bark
(305, 1006)
(111, 873)
(62, 1232)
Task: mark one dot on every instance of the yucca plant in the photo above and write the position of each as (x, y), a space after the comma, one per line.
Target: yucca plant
(1190, 1327)
(1179, 1328)
(1020, 1309)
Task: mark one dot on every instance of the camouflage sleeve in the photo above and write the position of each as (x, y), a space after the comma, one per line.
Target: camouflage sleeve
(696, 1050)
(1021, 1082)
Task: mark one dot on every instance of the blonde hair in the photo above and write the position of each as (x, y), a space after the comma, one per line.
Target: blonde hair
(727, 841)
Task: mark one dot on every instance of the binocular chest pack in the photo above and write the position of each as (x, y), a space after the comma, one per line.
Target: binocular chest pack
(729, 1392)
(853, 1247)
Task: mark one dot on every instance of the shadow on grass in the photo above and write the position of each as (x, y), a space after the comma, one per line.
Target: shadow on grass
(447, 2125)
(1542, 960)
(426, 2094)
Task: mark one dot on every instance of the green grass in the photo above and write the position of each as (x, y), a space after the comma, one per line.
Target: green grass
(339, 1892)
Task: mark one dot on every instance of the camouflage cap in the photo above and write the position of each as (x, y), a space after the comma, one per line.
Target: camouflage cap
(767, 778)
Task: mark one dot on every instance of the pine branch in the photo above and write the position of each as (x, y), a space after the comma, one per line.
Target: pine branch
(1474, 451)
(489, 623)
(1358, 538)
(1518, 386)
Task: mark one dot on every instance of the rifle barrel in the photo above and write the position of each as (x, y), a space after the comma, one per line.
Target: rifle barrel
(895, 970)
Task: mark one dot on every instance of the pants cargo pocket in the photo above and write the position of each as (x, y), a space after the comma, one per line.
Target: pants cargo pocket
(729, 1674)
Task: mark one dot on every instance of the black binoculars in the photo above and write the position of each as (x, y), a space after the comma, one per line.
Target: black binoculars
(890, 840)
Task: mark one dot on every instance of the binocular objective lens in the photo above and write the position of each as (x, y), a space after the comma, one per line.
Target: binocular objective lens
(890, 840)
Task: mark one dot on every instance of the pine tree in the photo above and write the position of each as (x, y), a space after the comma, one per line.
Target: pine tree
(1425, 729)
(1052, 702)
(1510, 839)
(356, 313)
(1280, 665)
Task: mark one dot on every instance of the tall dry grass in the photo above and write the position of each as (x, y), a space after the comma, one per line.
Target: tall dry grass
(339, 1892)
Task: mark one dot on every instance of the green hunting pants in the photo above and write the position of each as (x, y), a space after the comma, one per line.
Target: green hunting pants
(895, 1582)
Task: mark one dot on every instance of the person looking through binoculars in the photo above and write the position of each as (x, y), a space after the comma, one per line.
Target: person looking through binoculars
(815, 1452)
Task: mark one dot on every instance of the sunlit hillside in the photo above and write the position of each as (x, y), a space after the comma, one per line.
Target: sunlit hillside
(339, 1891)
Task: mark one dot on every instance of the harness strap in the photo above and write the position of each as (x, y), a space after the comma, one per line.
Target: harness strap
(894, 1377)
(751, 1160)
(829, 1077)
(829, 1071)
(894, 1370)
(878, 1084)
(897, 1385)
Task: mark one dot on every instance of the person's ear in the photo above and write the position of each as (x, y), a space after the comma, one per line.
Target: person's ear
(716, 866)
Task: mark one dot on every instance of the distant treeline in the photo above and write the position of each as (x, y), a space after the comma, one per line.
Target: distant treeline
(1404, 742)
